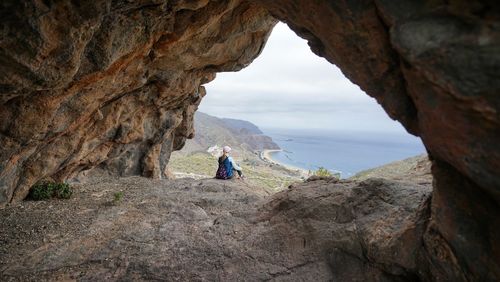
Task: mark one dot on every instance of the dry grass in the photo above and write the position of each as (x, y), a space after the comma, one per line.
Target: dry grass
(256, 171)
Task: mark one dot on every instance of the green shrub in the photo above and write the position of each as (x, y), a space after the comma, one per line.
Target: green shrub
(323, 172)
(47, 190)
(41, 191)
(118, 196)
(63, 191)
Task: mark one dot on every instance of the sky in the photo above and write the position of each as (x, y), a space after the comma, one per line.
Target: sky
(289, 87)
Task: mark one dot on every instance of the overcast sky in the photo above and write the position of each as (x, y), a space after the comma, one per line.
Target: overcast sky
(288, 86)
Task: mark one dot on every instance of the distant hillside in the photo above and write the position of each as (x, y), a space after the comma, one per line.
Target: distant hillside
(198, 158)
(417, 169)
(211, 131)
(242, 126)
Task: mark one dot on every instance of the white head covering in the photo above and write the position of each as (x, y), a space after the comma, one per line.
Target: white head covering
(226, 149)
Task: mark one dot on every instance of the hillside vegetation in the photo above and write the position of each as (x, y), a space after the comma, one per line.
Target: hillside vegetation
(417, 168)
(198, 158)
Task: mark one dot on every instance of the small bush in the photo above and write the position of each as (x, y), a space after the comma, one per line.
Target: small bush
(118, 196)
(63, 191)
(47, 190)
(323, 172)
(41, 191)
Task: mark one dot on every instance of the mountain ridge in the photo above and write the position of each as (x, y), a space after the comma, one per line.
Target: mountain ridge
(241, 134)
(242, 126)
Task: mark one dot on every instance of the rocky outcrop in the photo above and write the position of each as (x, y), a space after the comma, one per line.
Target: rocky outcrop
(220, 231)
(433, 66)
(110, 84)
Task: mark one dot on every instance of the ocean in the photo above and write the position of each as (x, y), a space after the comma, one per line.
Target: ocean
(340, 151)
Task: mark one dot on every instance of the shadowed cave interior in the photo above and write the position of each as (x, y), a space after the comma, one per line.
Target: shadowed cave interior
(114, 86)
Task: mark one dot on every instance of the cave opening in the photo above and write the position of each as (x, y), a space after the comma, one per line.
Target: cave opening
(112, 86)
(317, 119)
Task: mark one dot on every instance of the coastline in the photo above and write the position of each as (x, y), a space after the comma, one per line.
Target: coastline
(265, 155)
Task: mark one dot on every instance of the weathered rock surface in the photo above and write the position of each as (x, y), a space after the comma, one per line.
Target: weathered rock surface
(110, 84)
(432, 65)
(220, 231)
(435, 67)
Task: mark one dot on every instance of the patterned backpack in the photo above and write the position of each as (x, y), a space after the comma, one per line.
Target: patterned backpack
(221, 171)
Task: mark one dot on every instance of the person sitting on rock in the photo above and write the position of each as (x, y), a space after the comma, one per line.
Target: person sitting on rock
(227, 166)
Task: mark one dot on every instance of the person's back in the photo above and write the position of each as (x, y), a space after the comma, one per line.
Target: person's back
(227, 165)
(225, 170)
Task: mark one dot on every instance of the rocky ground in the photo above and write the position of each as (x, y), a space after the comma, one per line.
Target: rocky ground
(209, 229)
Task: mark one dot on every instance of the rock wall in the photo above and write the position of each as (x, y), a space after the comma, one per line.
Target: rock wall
(435, 67)
(109, 84)
(432, 65)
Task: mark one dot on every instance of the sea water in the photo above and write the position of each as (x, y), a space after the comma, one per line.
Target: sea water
(342, 152)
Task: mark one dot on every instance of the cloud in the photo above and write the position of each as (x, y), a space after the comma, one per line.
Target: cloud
(288, 86)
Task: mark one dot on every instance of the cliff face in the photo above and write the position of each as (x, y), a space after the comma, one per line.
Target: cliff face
(115, 85)
(211, 131)
(110, 84)
(433, 66)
